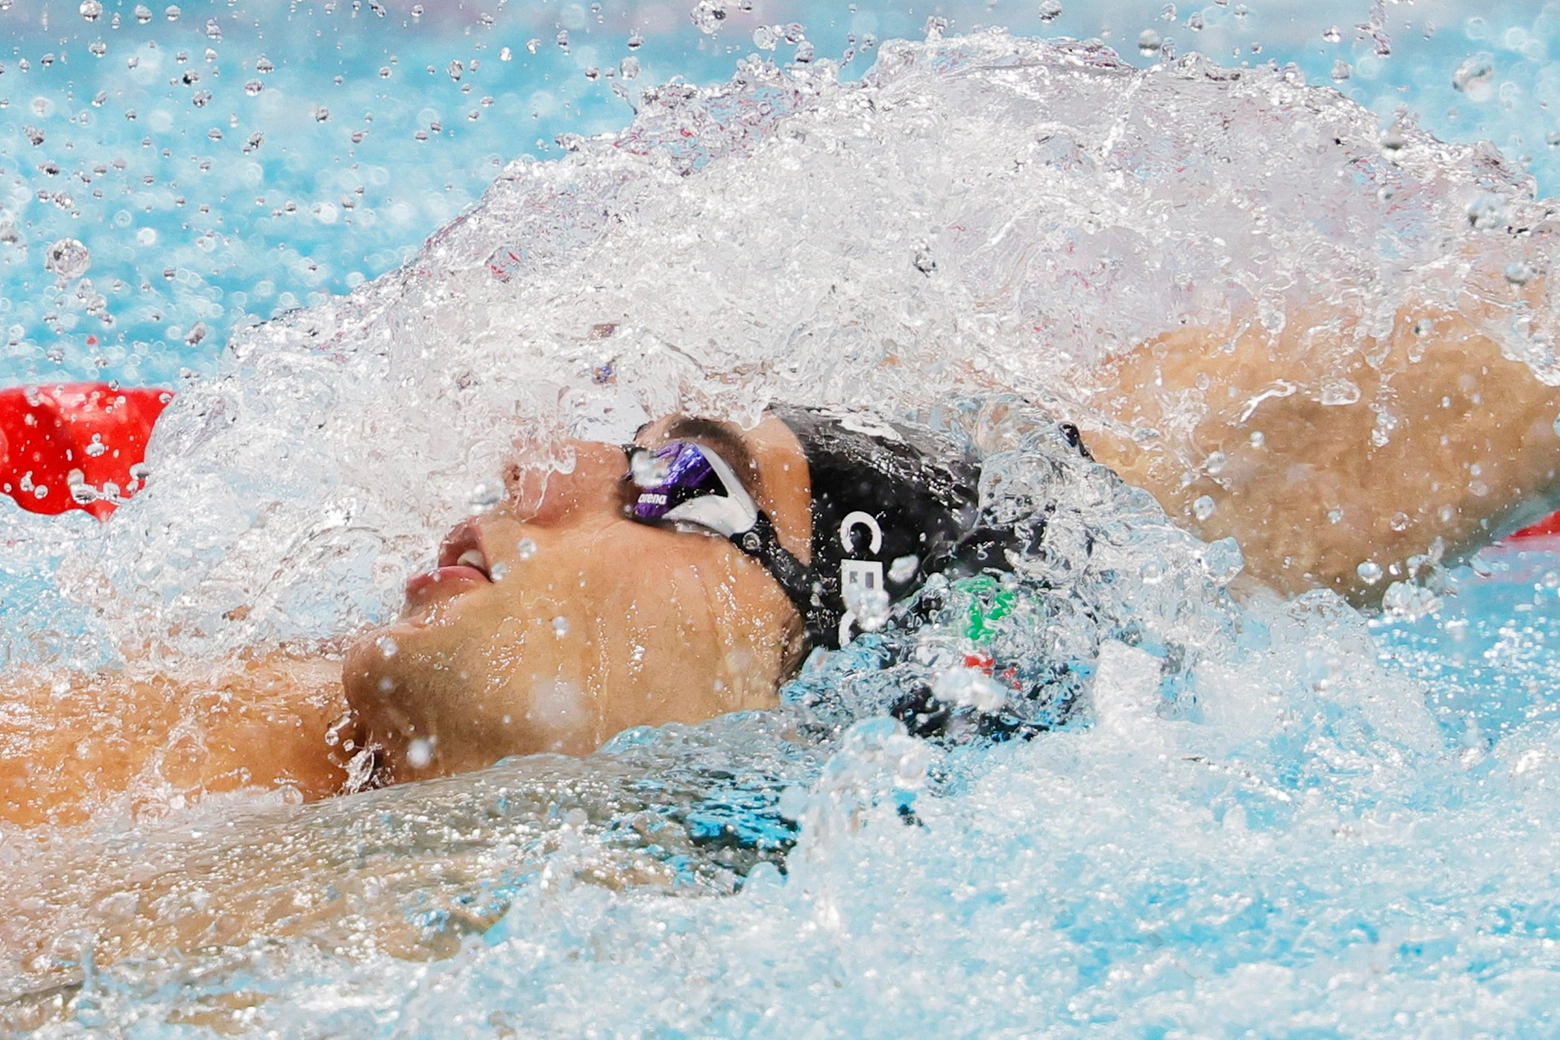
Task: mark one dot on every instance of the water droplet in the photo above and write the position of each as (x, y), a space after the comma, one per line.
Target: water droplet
(1195, 22)
(506, 55)
(1369, 572)
(1214, 463)
(213, 30)
(1149, 43)
(533, 44)
(499, 571)
(417, 10)
(526, 548)
(143, 14)
(419, 753)
(1474, 75)
(629, 69)
(560, 626)
(903, 569)
(1334, 516)
(387, 646)
(91, 10)
(486, 495)
(1332, 34)
(68, 259)
(1519, 272)
(805, 52)
(454, 69)
(97, 48)
(1204, 507)
(707, 15)
(34, 135)
(1399, 522)
(1446, 513)
(1050, 11)
(765, 38)
(635, 41)
(253, 87)
(264, 65)
(1257, 438)
(1341, 71)
(1339, 391)
(172, 13)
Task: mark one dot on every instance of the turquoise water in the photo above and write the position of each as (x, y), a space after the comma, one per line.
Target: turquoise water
(1276, 819)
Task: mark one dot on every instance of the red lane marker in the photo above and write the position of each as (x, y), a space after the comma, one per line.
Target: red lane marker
(72, 445)
(1550, 525)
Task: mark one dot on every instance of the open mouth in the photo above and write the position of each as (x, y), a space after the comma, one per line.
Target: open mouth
(462, 550)
(462, 563)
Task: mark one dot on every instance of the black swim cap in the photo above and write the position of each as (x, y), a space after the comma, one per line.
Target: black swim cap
(892, 504)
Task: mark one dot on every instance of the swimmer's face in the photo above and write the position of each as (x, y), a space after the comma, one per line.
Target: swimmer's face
(554, 621)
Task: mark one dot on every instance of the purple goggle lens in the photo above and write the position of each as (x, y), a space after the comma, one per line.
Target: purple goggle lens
(670, 476)
(687, 484)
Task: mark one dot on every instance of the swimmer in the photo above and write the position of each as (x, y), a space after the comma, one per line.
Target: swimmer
(689, 574)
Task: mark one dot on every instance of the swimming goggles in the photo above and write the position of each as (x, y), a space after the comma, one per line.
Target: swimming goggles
(688, 486)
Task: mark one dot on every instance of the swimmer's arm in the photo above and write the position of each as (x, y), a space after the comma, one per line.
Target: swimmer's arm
(72, 743)
(1447, 440)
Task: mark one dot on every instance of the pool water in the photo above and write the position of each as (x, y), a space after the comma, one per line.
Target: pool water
(1269, 817)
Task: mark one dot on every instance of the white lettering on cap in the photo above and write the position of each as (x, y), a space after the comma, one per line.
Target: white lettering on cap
(860, 519)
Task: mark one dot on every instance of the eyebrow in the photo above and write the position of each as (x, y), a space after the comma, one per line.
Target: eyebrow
(725, 439)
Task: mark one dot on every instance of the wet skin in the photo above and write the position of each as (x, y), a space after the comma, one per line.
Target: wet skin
(569, 623)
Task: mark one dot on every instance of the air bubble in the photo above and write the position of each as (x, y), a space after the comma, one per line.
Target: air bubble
(1369, 572)
(1204, 507)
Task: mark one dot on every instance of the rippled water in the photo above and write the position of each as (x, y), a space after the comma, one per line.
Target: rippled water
(1268, 816)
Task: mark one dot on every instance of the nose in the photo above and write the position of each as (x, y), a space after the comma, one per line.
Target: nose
(542, 494)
